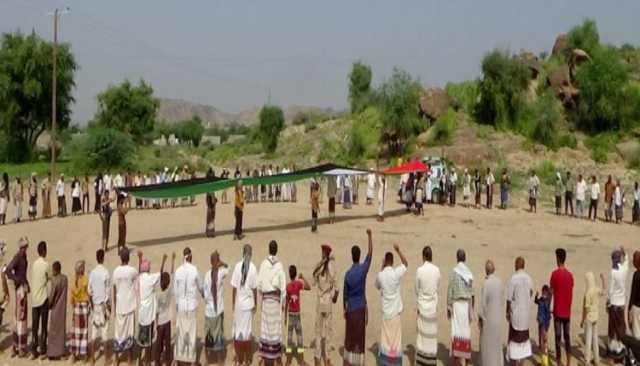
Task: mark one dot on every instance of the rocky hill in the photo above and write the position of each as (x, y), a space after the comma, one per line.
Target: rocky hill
(173, 110)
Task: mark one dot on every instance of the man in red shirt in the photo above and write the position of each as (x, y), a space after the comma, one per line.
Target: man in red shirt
(292, 311)
(561, 284)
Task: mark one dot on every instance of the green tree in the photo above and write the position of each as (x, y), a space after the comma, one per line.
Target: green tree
(103, 148)
(501, 89)
(604, 93)
(26, 89)
(271, 124)
(584, 36)
(548, 114)
(190, 130)
(359, 86)
(399, 99)
(128, 108)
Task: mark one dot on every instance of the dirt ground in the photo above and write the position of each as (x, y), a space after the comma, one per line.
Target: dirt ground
(485, 234)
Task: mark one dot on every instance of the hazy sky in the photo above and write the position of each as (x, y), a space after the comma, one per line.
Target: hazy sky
(232, 53)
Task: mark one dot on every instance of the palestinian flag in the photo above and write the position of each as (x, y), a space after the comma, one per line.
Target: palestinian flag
(198, 186)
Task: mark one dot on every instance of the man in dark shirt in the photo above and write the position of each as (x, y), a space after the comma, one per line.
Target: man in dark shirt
(16, 271)
(355, 305)
(634, 299)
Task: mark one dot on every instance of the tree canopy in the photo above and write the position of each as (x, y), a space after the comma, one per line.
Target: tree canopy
(190, 130)
(359, 86)
(128, 108)
(399, 99)
(271, 124)
(584, 36)
(26, 68)
(504, 78)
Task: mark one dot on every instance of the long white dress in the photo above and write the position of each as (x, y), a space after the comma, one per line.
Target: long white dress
(381, 193)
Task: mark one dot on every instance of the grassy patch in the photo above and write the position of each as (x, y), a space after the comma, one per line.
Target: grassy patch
(444, 129)
(601, 145)
(40, 168)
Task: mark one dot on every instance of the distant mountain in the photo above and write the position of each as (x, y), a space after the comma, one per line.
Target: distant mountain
(173, 110)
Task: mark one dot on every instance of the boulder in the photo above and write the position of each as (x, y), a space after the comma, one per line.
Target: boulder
(561, 45)
(434, 102)
(560, 81)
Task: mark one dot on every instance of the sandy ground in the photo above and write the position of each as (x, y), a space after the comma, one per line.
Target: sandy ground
(495, 234)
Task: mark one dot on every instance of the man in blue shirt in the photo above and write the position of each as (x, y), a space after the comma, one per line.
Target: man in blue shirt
(355, 305)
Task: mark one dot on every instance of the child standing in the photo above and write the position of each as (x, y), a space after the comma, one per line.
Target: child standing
(590, 316)
(292, 311)
(544, 321)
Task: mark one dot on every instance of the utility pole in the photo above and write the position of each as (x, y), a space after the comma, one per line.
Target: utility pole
(53, 93)
(54, 86)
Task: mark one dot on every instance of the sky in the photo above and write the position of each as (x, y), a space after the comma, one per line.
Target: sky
(234, 54)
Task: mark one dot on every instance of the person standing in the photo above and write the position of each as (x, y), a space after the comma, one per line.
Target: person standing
(581, 191)
(40, 273)
(33, 197)
(76, 203)
(428, 189)
(382, 191)
(590, 315)
(477, 188)
(460, 303)
(388, 282)
(594, 194)
(634, 298)
(519, 299)
(505, 185)
(3, 281)
(84, 189)
(56, 341)
(212, 201)
(62, 204)
(466, 187)
(164, 314)
(453, 181)
(568, 194)
(314, 199)
(46, 196)
(420, 195)
(100, 302)
(80, 305)
(147, 283)
(371, 186)
(609, 190)
(618, 201)
(426, 288)
(355, 305)
(559, 189)
(244, 302)
(122, 210)
(213, 294)
(491, 318)
(124, 302)
(635, 212)
(616, 302)
(332, 191)
(292, 313)
(238, 211)
(272, 283)
(561, 284)
(186, 286)
(16, 271)
(534, 191)
(346, 192)
(324, 280)
(105, 218)
(490, 180)
(5, 197)
(18, 199)
(98, 190)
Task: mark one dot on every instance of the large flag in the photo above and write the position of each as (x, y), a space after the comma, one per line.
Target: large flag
(197, 186)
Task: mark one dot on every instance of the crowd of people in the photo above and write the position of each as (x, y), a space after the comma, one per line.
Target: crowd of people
(136, 302)
(577, 194)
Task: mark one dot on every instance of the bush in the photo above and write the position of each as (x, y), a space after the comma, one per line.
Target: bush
(359, 86)
(444, 129)
(102, 149)
(548, 114)
(546, 171)
(190, 130)
(271, 124)
(501, 89)
(568, 140)
(464, 95)
(601, 145)
(584, 36)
